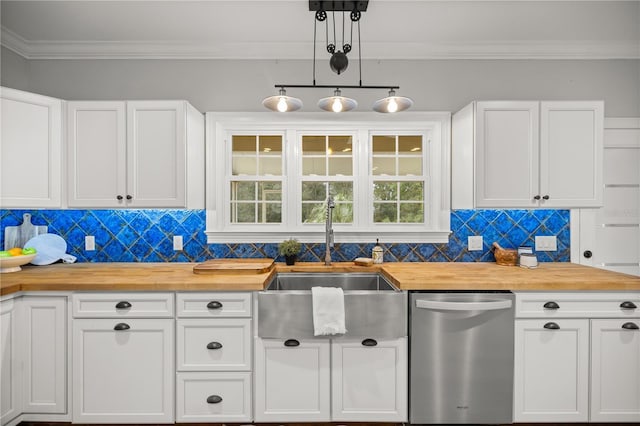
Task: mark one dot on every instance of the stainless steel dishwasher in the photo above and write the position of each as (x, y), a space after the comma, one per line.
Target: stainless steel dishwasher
(461, 357)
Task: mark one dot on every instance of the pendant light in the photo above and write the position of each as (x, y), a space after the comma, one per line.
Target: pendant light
(392, 103)
(282, 103)
(337, 103)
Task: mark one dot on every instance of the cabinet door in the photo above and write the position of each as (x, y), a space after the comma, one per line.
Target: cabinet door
(45, 354)
(156, 149)
(615, 370)
(10, 377)
(571, 154)
(506, 154)
(292, 382)
(369, 380)
(97, 145)
(30, 145)
(123, 375)
(551, 377)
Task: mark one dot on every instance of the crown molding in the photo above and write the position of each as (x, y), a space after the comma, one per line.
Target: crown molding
(301, 50)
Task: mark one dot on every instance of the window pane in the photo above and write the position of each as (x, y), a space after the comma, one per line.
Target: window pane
(243, 191)
(410, 145)
(244, 212)
(383, 166)
(314, 191)
(411, 213)
(270, 145)
(270, 166)
(244, 166)
(410, 166)
(340, 166)
(342, 191)
(411, 191)
(343, 213)
(271, 191)
(270, 213)
(384, 145)
(313, 212)
(340, 145)
(314, 145)
(243, 144)
(384, 212)
(314, 166)
(385, 191)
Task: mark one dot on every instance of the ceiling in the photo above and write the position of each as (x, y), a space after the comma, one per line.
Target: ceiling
(283, 29)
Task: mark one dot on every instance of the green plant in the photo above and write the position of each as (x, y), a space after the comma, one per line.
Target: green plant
(289, 247)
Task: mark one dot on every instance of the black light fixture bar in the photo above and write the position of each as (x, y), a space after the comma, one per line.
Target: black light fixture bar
(338, 6)
(332, 86)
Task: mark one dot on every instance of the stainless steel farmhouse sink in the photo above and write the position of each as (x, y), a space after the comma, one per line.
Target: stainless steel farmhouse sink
(373, 306)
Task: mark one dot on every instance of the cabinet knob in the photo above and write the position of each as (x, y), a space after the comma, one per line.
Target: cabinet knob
(121, 327)
(587, 254)
(551, 305)
(129, 197)
(214, 305)
(630, 326)
(214, 399)
(545, 197)
(123, 305)
(369, 342)
(628, 305)
(119, 197)
(551, 326)
(214, 345)
(291, 343)
(537, 197)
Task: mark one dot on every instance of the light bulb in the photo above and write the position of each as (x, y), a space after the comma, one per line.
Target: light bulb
(282, 105)
(392, 106)
(337, 105)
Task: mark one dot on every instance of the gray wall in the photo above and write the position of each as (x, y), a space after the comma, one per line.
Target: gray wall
(14, 70)
(226, 85)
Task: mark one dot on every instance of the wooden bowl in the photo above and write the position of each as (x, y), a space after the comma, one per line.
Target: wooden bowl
(505, 257)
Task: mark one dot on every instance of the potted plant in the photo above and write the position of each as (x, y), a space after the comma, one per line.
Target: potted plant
(289, 249)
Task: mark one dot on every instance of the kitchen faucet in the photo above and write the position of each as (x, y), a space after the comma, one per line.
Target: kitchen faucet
(328, 234)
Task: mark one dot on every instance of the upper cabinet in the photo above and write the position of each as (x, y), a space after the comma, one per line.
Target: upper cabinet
(30, 150)
(527, 154)
(138, 154)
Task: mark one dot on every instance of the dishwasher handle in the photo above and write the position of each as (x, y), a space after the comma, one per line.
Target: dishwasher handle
(464, 306)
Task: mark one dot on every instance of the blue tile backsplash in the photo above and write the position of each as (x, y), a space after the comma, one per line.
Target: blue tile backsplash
(147, 236)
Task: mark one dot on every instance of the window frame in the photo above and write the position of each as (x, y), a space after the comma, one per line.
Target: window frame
(434, 126)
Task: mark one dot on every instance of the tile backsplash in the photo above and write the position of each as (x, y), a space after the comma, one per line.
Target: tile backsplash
(147, 236)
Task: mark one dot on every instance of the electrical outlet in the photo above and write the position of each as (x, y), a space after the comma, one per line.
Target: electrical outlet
(546, 243)
(177, 242)
(89, 243)
(474, 242)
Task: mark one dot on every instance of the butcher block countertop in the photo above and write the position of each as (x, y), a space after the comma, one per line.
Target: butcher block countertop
(406, 276)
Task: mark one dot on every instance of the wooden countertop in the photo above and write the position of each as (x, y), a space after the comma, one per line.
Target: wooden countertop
(407, 276)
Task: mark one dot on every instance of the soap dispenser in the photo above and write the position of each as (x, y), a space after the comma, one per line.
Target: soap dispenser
(376, 253)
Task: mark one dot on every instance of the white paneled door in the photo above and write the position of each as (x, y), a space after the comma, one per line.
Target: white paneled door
(609, 237)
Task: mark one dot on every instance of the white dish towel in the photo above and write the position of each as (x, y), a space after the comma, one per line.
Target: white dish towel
(328, 311)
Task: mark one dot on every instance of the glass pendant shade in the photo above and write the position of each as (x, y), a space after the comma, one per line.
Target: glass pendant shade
(392, 103)
(337, 103)
(282, 103)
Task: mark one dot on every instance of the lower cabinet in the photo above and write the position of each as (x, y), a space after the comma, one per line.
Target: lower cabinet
(123, 370)
(330, 380)
(10, 377)
(208, 397)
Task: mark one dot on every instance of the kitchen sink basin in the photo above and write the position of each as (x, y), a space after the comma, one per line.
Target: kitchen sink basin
(373, 306)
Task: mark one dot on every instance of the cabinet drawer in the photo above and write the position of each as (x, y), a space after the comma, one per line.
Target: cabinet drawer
(211, 305)
(125, 305)
(218, 344)
(213, 397)
(578, 305)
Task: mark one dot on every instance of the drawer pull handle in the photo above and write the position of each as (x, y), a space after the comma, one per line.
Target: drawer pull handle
(292, 343)
(551, 305)
(551, 326)
(628, 305)
(121, 327)
(214, 399)
(214, 345)
(214, 305)
(369, 342)
(630, 326)
(123, 305)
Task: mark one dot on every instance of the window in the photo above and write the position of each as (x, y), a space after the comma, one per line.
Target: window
(269, 177)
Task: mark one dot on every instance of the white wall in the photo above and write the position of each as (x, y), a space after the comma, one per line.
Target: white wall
(225, 85)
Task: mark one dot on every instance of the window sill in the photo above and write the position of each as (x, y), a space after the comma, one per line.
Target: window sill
(232, 237)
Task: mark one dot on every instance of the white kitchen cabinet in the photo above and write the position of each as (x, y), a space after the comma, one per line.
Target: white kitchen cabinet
(615, 370)
(292, 380)
(123, 370)
(527, 154)
(44, 320)
(138, 154)
(551, 378)
(369, 380)
(30, 150)
(10, 356)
